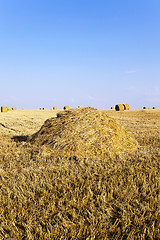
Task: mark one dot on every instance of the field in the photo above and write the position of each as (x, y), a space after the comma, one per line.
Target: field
(43, 197)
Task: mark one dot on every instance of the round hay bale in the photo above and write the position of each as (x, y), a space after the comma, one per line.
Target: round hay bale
(14, 108)
(43, 108)
(126, 106)
(112, 107)
(67, 107)
(154, 107)
(119, 107)
(54, 108)
(84, 133)
(144, 107)
(40, 109)
(4, 109)
(8, 109)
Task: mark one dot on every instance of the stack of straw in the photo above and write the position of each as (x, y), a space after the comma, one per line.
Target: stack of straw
(84, 133)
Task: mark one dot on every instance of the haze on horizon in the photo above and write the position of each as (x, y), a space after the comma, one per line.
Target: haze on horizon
(88, 53)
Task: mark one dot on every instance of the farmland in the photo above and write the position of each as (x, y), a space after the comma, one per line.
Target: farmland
(48, 197)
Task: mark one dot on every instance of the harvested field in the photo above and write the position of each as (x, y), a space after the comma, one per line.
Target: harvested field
(23, 122)
(43, 196)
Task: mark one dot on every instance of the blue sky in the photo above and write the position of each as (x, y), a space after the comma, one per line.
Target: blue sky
(79, 52)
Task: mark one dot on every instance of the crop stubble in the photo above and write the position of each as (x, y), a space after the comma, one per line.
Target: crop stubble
(43, 197)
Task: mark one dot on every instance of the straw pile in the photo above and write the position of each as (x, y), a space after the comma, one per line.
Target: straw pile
(119, 107)
(126, 106)
(83, 133)
(4, 109)
(66, 107)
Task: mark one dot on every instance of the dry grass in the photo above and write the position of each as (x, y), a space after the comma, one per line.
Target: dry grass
(46, 197)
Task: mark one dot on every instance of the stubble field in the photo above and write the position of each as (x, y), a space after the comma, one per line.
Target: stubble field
(43, 197)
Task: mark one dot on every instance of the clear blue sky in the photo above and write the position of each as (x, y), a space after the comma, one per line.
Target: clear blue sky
(79, 52)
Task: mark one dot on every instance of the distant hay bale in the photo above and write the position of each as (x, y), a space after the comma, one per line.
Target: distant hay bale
(84, 133)
(54, 108)
(4, 109)
(126, 106)
(119, 107)
(43, 109)
(40, 109)
(154, 107)
(67, 107)
(144, 107)
(112, 107)
(14, 108)
(80, 107)
(9, 109)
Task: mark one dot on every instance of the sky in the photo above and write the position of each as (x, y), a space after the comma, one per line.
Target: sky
(96, 53)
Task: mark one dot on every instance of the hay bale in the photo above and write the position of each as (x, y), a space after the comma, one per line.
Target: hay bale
(126, 106)
(67, 107)
(9, 109)
(4, 109)
(83, 133)
(43, 109)
(144, 107)
(40, 109)
(112, 107)
(119, 107)
(14, 108)
(154, 107)
(54, 108)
